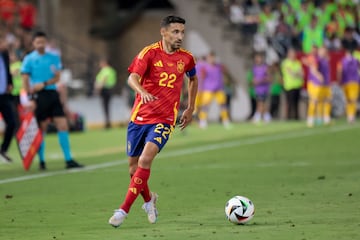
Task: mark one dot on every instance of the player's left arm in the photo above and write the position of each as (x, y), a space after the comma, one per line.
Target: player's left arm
(192, 91)
(56, 69)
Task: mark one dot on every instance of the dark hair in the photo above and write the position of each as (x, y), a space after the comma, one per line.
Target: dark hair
(171, 19)
(39, 34)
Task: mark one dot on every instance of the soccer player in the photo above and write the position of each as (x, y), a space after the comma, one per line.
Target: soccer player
(40, 72)
(319, 90)
(6, 109)
(261, 82)
(213, 88)
(348, 79)
(156, 75)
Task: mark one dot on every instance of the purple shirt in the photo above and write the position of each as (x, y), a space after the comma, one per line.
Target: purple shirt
(350, 70)
(261, 84)
(200, 74)
(324, 69)
(213, 80)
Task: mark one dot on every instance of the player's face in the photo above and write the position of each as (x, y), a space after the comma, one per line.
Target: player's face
(174, 35)
(39, 44)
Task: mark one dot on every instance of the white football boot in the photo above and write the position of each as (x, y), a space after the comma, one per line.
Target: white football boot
(117, 219)
(150, 208)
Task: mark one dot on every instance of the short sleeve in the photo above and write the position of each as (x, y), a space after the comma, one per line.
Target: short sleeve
(57, 63)
(191, 64)
(140, 63)
(26, 66)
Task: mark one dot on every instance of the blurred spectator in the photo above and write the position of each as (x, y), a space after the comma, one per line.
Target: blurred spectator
(7, 12)
(318, 87)
(348, 79)
(5, 100)
(251, 91)
(229, 87)
(15, 67)
(332, 27)
(312, 35)
(27, 14)
(305, 14)
(282, 37)
(236, 13)
(252, 11)
(201, 75)
(267, 21)
(293, 76)
(275, 90)
(261, 81)
(213, 89)
(104, 84)
(348, 41)
(332, 43)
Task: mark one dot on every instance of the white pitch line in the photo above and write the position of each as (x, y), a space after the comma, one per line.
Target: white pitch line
(188, 151)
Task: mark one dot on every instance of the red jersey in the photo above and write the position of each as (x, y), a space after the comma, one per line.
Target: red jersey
(162, 75)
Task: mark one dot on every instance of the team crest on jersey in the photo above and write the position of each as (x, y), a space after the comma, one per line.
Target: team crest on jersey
(180, 65)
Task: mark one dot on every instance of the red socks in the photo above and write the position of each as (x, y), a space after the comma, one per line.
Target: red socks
(145, 193)
(138, 184)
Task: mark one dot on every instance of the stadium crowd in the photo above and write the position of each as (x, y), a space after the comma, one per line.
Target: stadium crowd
(283, 36)
(294, 24)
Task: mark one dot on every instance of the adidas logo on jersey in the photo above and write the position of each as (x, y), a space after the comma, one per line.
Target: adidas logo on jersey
(158, 64)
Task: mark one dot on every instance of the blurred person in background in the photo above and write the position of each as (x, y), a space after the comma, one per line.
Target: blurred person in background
(261, 82)
(40, 72)
(293, 80)
(6, 109)
(348, 40)
(348, 78)
(105, 82)
(275, 90)
(213, 89)
(319, 91)
(312, 35)
(251, 91)
(15, 69)
(27, 14)
(282, 36)
(200, 72)
(7, 12)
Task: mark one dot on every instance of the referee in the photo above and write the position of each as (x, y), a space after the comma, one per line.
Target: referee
(41, 71)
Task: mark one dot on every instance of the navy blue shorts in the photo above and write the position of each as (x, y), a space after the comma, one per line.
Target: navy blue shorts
(138, 135)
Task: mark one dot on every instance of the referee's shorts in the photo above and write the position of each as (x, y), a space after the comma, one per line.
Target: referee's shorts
(48, 105)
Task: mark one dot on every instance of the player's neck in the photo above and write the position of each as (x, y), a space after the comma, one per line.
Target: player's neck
(167, 48)
(41, 52)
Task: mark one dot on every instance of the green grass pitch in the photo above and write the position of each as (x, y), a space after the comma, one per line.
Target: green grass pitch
(305, 184)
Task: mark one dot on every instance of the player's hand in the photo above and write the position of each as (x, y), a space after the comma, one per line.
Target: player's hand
(147, 97)
(38, 87)
(9, 88)
(186, 118)
(31, 106)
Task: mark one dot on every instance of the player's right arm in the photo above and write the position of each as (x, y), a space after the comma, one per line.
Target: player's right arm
(134, 83)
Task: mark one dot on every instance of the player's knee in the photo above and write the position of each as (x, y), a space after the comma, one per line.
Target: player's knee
(61, 125)
(145, 161)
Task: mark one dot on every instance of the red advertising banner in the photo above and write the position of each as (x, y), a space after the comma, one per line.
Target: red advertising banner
(28, 138)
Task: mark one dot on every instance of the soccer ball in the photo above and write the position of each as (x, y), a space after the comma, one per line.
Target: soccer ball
(239, 210)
